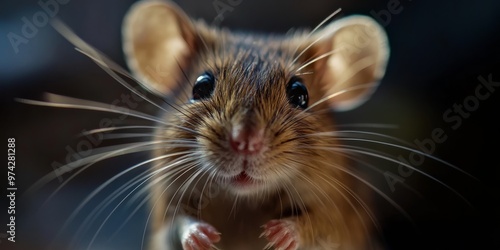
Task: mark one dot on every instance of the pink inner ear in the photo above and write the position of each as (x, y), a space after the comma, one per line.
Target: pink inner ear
(156, 44)
(355, 82)
(351, 75)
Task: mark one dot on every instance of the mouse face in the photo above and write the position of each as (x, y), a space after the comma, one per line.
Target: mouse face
(249, 107)
(249, 115)
(252, 114)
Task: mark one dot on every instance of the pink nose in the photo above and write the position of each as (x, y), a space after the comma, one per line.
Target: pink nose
(247, 140)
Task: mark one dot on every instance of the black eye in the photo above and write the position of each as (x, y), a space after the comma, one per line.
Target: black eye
(297, 93)
(204, 86)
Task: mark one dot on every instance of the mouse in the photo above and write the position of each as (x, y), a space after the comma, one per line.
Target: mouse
(248, 156)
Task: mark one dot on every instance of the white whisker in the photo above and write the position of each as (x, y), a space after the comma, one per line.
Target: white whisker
(109, 129)
(346, 149)
(116, 207)
(374, 188)
(358, 87)
(304, 73)
(88, 105)
(356, 158)
(343, 133)
(187, 184)
(312, 32)
(104, 185)
(370, 125)
(141, 178)
(336, 135)
(356, 197)
(317, 59)
(97, 106)
(105, 63)
(109, 152)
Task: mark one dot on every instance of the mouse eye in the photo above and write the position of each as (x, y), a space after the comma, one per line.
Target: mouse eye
(204, 86)
(297, 93)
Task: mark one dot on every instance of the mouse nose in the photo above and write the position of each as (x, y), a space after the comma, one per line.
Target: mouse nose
(247, 140)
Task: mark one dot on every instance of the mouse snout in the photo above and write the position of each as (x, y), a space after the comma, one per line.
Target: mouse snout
(247, 140)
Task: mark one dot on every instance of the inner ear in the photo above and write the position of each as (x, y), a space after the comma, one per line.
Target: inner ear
(358, 51)
(158, 40)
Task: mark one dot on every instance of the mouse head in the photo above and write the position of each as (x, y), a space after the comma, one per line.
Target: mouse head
(249, 108)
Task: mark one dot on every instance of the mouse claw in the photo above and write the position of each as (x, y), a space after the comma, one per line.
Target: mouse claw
(281, 234)
(268, 246)
(200, 236)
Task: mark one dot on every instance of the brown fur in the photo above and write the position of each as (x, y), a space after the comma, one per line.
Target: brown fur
(302, 178)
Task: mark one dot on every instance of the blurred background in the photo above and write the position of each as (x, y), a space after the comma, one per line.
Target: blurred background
(440, 51)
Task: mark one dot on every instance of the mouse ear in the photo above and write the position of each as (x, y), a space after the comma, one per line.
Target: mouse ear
(158, 40)
(356, 51)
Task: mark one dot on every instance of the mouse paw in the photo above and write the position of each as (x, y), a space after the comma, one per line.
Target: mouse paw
(199, 236)
(281, 234)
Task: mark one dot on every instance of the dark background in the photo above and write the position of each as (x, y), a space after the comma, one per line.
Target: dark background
(438, 51)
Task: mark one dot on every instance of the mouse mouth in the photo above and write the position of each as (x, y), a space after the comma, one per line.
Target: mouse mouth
(245, 181)
(242, 179)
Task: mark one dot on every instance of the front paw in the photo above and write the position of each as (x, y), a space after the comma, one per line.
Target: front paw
(199, 236)
(281, 234)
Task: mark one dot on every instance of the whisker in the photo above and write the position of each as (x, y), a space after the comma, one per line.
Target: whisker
(356, 67)
(179, 143)
(233, 208)
(186, 169)
(325, 195)
(108, 153)
(361, 86)
(281, 202)
(369, 125)
(129, 135)
(312, 32)
(105, 63)
(195, 185)
(109, 129)
(373, 187)
(331, 52)
(304, 73)
(343, 133)
(189, 164)
(399, 147)
(374, 168)
(104, 185)
(356, 197)
(182, 160)
(97, 106)
(304, 208)
(165, 177)
(212, 174)
(397, 162)
(116, 207)
(105, 66)
(131, 214)
(89, 105)
(110, 198)
(187, 184)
